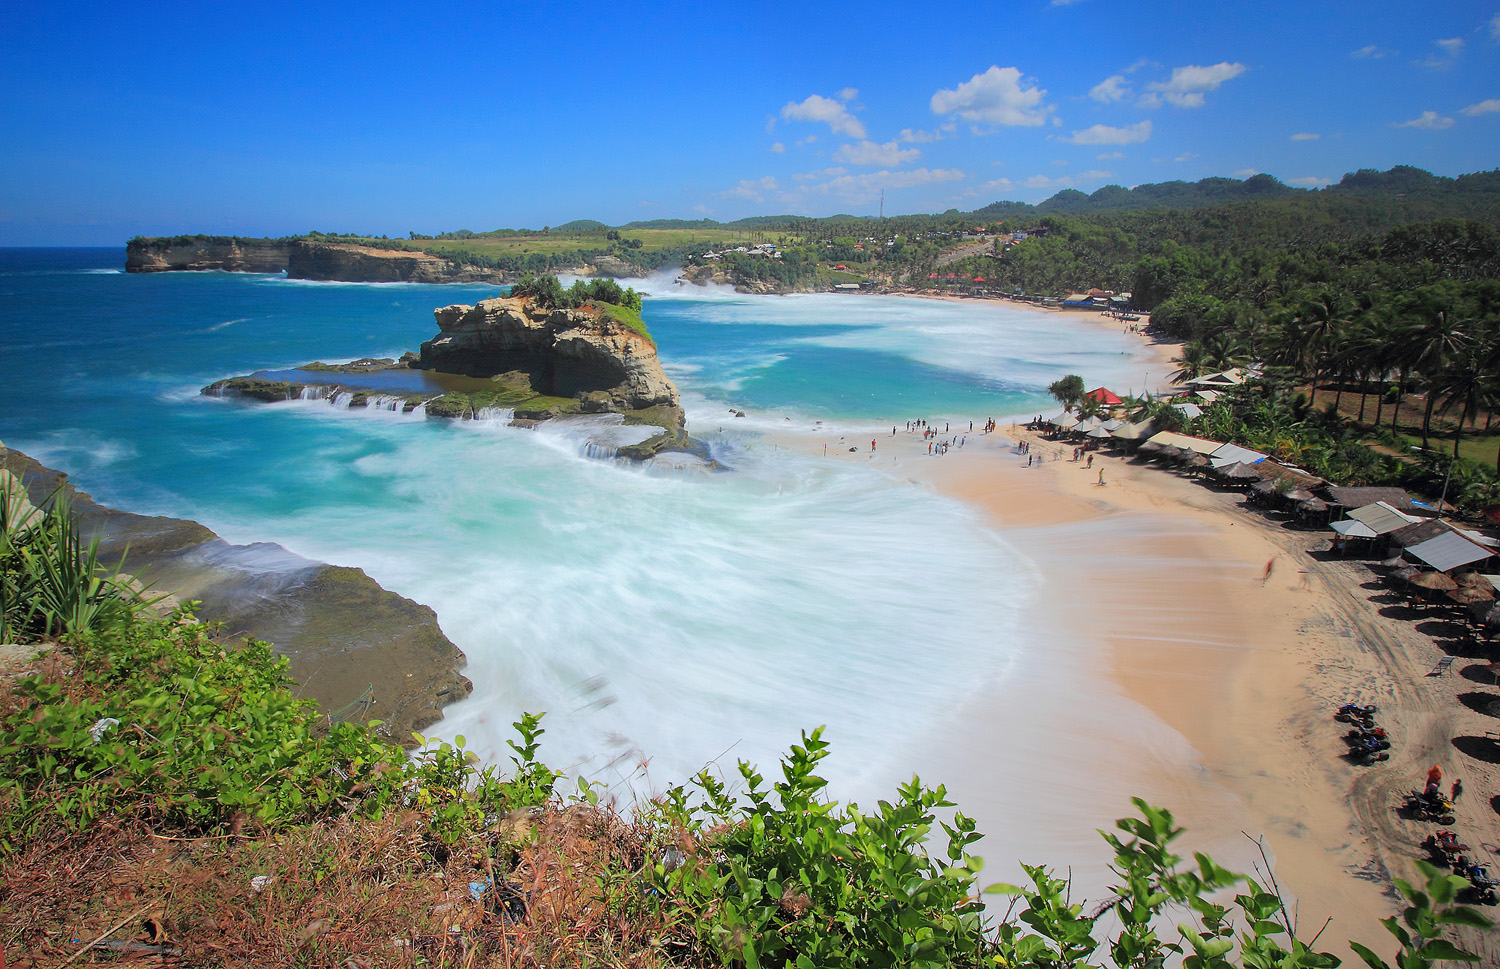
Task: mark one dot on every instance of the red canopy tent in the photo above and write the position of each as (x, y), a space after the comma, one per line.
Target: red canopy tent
(1104, 396)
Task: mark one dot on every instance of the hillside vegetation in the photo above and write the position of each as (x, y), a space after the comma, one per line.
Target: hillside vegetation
(163, 796)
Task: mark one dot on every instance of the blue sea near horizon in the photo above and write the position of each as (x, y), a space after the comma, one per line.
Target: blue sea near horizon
(660, 617)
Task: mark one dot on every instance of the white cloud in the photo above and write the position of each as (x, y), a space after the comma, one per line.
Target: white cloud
(826, 111)
(870, 155)
(1495, 28)
(996, 97)
(1186, 156)
(1371, 52)
(702, 209)
(1428, 121)
(998, 185)
(1103, 134)
(1446, 55)
(1059, 161)
(778, 148)
(752, 189)
(1483, 107)
(1109, 155)
(1245, 172)
(1306, 136)
(867, 186)
(922, 137)
(1187, 84)
(848, 94)
(821, 173)
(808, 140)
(1112, 88)
(1309, 181)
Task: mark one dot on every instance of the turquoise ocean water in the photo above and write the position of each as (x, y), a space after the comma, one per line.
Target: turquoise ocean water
(660, 616)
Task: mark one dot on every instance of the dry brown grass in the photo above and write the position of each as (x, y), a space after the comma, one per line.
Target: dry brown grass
(562, 886)
(345, 894)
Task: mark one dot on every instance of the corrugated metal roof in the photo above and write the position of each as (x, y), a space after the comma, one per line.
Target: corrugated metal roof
(1201, 445)
(1382, 517)
(1191, 410)
(1352, 528)
(1230, 453)
(1449, 552)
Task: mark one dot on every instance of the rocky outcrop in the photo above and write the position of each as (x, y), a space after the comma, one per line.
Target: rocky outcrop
(203, 253)
(342, 633)
(720, 275)
(586, 353)
(350, 263)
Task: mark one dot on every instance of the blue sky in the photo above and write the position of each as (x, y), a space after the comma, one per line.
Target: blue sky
(380, 117)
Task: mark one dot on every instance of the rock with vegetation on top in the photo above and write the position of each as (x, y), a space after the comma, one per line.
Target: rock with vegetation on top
(600, 354)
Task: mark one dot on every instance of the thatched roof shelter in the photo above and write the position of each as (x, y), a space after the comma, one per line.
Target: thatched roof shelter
(1433, 582)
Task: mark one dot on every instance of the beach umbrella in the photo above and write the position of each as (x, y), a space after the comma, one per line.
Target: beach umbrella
(1312, 506)
(1242, 473)
(1465, 597)
(1480, 611)
(1223, 470)
(1170, 453)
(1301, 496)
(1433, 581)
(1149, 448)
(1264, 487)
(1099, 433)
(1472, 580)
(1198, 461)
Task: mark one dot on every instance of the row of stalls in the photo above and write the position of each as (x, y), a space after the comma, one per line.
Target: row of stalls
(1433, 553)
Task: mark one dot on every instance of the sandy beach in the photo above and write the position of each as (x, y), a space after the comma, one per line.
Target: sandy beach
(1184, 679)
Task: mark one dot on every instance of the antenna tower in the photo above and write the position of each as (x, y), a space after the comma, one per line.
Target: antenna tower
(882, 203)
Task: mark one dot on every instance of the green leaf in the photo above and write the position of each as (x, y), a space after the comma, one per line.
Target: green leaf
(1442, 949)
(1371, 959)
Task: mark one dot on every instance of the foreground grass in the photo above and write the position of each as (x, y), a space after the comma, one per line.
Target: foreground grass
(164, 796)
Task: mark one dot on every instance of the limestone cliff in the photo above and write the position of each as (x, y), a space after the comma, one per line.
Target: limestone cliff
(341, 632)
(351, 263)
(204, 253)
(585, 353)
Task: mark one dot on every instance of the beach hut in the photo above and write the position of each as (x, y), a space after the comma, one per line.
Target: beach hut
(1432, 582)
(1063, 421)
(1448, 552)
(1312, 510)
(1234, 454)
(1382, 518)
(1104, 396)
(1241, 474)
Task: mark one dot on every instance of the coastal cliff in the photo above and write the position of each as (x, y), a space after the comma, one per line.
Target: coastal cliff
(342, 633)
(207, 253)
(351, 263)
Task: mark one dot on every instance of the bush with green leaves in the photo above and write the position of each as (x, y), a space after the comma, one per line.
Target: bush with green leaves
(51, 581)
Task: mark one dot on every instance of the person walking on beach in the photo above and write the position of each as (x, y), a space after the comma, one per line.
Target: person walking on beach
(872, 444)
(1091, 464)
(1458, 789)
(1270, 567)
(1101, 477)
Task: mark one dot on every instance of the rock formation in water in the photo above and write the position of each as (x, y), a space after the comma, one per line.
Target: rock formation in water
(589, 353)
(341, 632)
(513, 355)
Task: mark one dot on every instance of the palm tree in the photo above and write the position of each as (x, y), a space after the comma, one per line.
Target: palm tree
(1439, 339)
